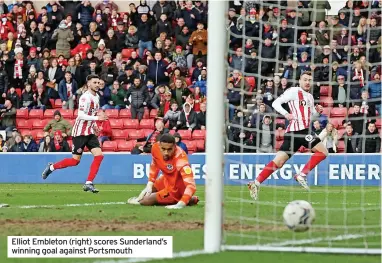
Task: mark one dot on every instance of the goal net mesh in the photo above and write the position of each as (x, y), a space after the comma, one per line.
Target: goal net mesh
(270, 44)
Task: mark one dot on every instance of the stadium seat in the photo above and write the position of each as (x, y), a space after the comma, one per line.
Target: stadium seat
(75, 114)
(341, 147)
(52, 102)
(118, 134)
(112, 113)
(185, 134)
(126, 52)
(190, 71)
(326, 91)
(135, 134)
(338, 112)
(279, 134)
(188, 81)
(39, 134)
(191, 146)
(125, 114)
(337, 122)
(36, 114)
(340, 133)
(67, 114)
(326, 111)
(200, 145)
(39, 124)
(48, 114)
(153, 113)
(251, 81)
(25, 132)
(109, 146)
(146, 124)
(116, 123)
(125, 146)
(326, 101)
(23, 124)
(199, 134)
(278, 145)
(147, 132)
(22, 114)
(130, 124)
(58, 104)
(34, 134)
(146, 114)
(378, 123)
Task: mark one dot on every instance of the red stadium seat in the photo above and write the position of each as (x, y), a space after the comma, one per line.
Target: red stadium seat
(190, 71)
(188, 81)
(34, 134)
(251, 81)
(109, 146)
(341, 147)
(279, 135)
(135, 134)
(341, 132)
(75, 114)
(326, 91)
(22, 114)
(125, 146)
(116, 123)
(200, 145)
(39, 124)
(25, 132)
(337, 122)
(185, 134)
(378, 123)
(112, 113)
(146, 124)
(146, 114)
(118, 134)
(58, 104)
(126, 52)
(36, 114)
(130, 124)
(40, 135)
(326, 101)
(191, 146)
(52, 102)
(326, 111)
(125, 114)
(153, 113)
(67, 114)
(338, 112)
(147, 132)
(48, 114)
(199, 134)
(23, 124)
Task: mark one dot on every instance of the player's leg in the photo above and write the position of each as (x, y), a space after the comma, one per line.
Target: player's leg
(78, 148)
(95, 148)
(281, 157)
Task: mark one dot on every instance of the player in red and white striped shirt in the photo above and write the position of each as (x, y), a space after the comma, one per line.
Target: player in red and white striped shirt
(298, 133)
(85, 132)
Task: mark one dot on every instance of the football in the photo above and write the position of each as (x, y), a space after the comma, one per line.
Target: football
(299, 215)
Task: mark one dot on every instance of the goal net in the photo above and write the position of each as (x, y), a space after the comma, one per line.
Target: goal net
(270, 44)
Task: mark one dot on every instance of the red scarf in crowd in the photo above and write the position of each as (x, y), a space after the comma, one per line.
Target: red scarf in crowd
(18, 69)
(57, 142)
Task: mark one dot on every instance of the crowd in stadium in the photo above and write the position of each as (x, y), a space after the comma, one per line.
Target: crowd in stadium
(152, 62)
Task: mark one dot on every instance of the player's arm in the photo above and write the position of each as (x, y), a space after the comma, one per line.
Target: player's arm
(153, 174)
(287, 96)
(83, 107)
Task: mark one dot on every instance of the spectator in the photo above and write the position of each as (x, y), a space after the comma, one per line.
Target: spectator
(41, 99)
(104, 128)
(67, 89)
(58, 124)
(148, 141)
(131, 39)
(8, 116)
(117, 96)
(58, 144)
(353, 142)
(178, 141)
(139, 99)
(45, 144)
(19, 145)
(187, 118)
(145, 34)
(340, 92)
(27, 97)
(372, 139)
(64, 36)
(157, 69)
(85, 12)
(3, 83)
(29, 144)
(329, 137)
(198, 41)
(172, 116)
(201, 117)
(180, 92)
(235, 134)
(375, 87)
(264, 139)
(234, 99)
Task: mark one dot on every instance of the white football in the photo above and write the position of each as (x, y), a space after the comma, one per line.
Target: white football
(299, 215)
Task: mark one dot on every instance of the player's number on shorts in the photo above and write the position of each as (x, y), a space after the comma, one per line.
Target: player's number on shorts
(309, 138)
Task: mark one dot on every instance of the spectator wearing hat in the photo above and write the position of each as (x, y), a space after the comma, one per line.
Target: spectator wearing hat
(64, 36)
(101, 50)
(343, 19)
(17, 69)
(128, 77)
(95, 40)
(335, 27)
(58, 124)
(178, 141)
(187, 118)
(198, 41)
(58, 144)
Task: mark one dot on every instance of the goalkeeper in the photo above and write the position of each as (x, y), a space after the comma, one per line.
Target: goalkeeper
(176, 187)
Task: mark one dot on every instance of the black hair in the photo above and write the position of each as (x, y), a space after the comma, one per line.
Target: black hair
(167, 138)
(91, 76)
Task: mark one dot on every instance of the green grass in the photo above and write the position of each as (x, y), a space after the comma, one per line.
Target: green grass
(246, 222)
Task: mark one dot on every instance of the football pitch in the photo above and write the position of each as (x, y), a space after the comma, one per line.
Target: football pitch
(345, 217)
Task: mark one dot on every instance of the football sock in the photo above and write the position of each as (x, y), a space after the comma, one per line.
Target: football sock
(95, 167)
(313, 162)
(267, 171)
(64, 163)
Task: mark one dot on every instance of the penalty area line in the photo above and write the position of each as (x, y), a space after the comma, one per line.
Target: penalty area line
(181, 254)
(66, 205)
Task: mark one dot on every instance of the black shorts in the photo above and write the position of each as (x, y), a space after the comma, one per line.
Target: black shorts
(79, 143)
(295, 139)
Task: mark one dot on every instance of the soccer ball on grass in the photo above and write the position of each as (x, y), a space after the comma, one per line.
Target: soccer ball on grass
(299, 215)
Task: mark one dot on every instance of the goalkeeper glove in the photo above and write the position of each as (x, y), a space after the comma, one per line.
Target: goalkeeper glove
(147, 191)
(179, 205)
